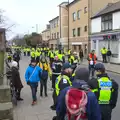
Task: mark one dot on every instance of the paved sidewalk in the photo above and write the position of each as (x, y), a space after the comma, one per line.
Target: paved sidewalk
(24, 110)
(109, 67)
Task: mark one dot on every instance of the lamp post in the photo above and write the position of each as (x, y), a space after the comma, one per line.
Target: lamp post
(68, 25)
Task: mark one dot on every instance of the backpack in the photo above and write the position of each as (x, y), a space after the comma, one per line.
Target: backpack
(76, 101)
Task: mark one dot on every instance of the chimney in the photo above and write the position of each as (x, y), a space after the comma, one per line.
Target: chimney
(48, 26)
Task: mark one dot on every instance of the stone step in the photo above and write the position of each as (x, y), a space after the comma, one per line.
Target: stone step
(6, 111)
(5, 95)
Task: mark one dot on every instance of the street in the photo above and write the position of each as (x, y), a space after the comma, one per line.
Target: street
(41, 111)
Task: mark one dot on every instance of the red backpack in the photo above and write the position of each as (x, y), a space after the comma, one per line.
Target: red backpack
(76, 101)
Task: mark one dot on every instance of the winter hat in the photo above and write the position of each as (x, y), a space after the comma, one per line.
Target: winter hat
(82, 74)
(33, 60)
(66, 65)
(14, 64)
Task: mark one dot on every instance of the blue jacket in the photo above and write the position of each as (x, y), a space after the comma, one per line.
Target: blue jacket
(36, 75)
(92, 108)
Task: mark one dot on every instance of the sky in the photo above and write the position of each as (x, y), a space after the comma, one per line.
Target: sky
(25, 14)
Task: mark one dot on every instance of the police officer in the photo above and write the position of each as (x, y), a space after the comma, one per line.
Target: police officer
(62, 82)
(33, 54)
(56, 70)
(106, 91)
(104, 54)
(37, 54)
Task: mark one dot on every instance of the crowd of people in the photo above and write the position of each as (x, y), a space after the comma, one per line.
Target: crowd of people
(76, 94)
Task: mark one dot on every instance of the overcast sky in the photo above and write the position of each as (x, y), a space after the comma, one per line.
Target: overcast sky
(27, 13)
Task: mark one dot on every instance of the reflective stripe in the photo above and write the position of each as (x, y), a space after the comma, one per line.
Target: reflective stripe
(105, 86)
(56, 73)
(95, 90)
(57, 83)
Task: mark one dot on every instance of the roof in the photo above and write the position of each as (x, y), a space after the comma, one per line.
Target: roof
(73, 2)
(45, 30)
(110, 8)
(63, 3)
(54, 19)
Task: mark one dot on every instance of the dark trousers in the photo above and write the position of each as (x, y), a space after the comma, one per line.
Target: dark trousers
(32, 58)
(34, 91)
(28, 53)
(37, 59)
(54, 96)
(91, 70)
(43, 84)
(18, 92)
(24, 53)
(53, 80)
(106, 112)
(51, 61)
(9, 59)
(104, 58)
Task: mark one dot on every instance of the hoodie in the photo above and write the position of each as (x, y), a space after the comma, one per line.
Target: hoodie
(33, 77)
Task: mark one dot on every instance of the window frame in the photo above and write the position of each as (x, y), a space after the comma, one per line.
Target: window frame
(79, 31)
(85, 10)
(78, 14)
(74, 32)
(74, 16)
(107, 22)
(86, 28)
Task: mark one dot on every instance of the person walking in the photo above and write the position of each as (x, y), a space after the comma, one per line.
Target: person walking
(81, 55)
(44, 65)
(106, 91)
(33, 76)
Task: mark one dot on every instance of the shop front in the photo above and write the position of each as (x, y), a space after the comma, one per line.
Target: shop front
(110, 41)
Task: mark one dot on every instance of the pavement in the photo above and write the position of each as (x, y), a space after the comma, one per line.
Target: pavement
(24, 110)
(109, 67)
(41, 111)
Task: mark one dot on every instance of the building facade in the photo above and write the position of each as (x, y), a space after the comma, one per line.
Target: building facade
(54, 32)
(105, 29)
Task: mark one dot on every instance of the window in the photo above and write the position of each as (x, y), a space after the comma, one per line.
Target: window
(74, 16)
(78, 14)
(85, 28)
(74, 47)
(78, 31)
(85, 10)
(57, 34)
(54, 35)
(106, 23)
(73, 32)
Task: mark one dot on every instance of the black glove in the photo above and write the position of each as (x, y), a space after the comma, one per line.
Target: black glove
(28, 82)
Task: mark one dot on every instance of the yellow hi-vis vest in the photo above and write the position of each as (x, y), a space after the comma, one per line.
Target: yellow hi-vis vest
(32, 54)
(59, 78)
(104, 51)
(60, 57)
(105, 90)
(37, 54)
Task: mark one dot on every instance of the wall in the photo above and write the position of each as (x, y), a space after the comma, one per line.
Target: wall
(116, 20)
(46, 35)
(96, 25)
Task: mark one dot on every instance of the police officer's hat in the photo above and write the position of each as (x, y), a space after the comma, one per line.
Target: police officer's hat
(99, 66)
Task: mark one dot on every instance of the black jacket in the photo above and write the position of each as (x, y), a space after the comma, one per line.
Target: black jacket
(93, 83)
(16, 81)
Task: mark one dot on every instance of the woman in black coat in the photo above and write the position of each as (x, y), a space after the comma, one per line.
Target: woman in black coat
(81, 55)
(16, 81)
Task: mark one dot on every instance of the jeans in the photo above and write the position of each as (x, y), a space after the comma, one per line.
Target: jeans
(91, 69)
(33, 87)
(43, 83)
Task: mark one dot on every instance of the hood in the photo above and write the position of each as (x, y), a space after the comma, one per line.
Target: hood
(82, 74)
(80, 84)
(31, 65)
